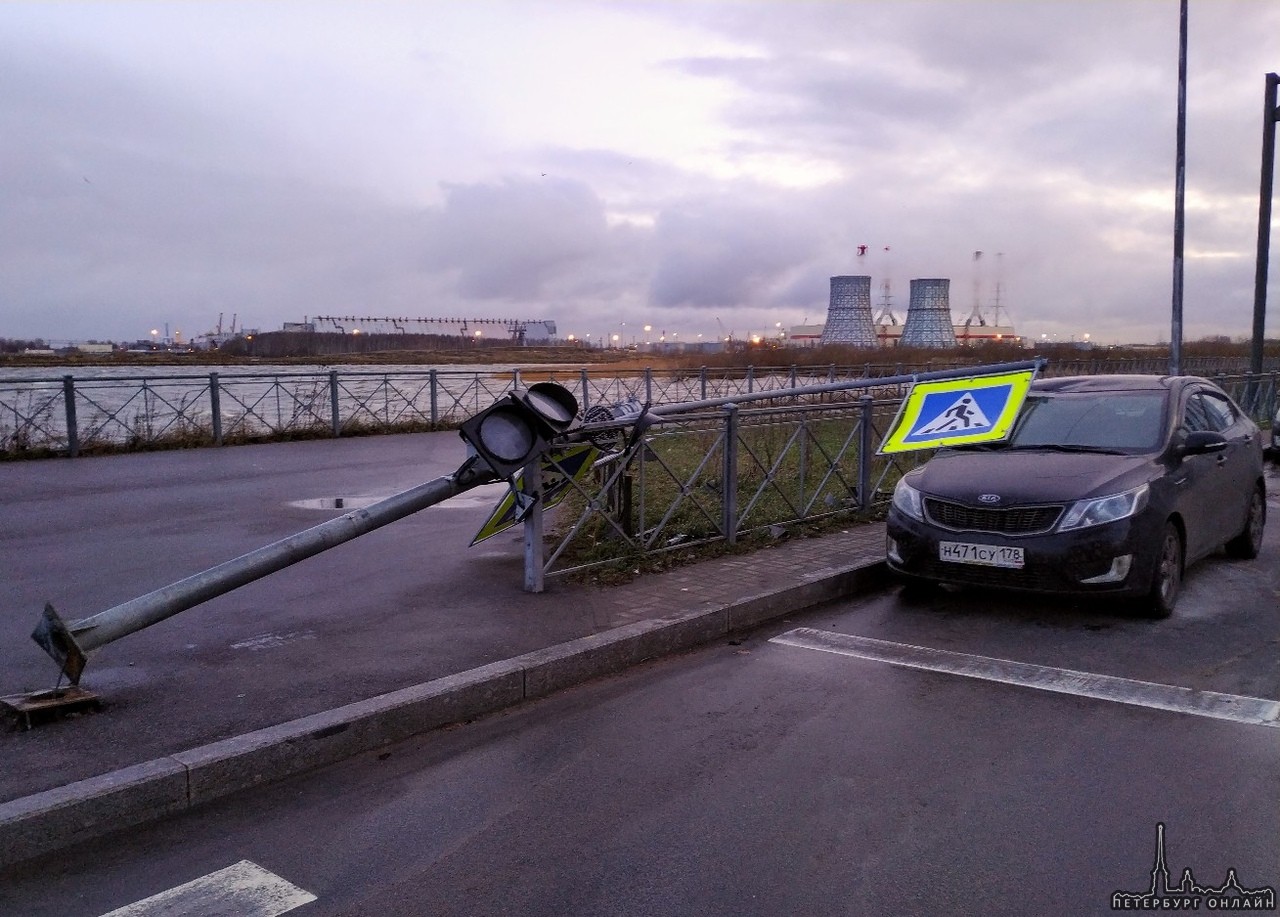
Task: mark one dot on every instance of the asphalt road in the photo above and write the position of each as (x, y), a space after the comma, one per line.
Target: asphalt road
(399, 606)
(759, 777)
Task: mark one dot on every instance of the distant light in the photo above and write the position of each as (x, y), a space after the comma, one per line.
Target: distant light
(355, 330)
(573, 337)
(478, 333)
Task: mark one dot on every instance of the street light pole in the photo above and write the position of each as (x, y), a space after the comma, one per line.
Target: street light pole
(1179, 194)
(1269, 118)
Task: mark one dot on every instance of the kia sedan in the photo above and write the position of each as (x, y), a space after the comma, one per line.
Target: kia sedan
(1107, 485)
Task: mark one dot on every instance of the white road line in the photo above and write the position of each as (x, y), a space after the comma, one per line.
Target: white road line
(242, 890)
(1252, 710)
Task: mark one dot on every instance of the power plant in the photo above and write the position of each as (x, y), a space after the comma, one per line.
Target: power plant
(849, 319)
(928, 321)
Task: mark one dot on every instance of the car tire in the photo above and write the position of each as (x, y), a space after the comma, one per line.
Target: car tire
(1248, 543)
(1166, 580)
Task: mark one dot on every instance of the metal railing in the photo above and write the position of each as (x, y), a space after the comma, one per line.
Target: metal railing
(69, 415)
(718, 475)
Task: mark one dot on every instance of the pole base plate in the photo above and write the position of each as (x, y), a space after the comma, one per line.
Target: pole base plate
(43, 706)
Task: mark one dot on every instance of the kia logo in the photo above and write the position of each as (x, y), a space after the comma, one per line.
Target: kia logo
(988, 498)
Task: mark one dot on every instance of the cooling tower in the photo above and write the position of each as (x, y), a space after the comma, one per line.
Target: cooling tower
(928, 321)
(849, 318)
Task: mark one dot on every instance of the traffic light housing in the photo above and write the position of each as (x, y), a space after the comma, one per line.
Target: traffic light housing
(520, 426)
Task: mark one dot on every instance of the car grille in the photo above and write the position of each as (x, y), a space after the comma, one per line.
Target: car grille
(1018, 520)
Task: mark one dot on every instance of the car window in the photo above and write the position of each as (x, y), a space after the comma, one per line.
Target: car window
(1130, 421)
(1209, 411)
(1220, 411)
(1195, 417)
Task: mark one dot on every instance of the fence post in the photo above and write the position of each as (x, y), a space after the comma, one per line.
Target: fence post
(751, 379)
(335, 420)
(729, 477)
(69, 400)
(648, 385)
(791, 379)
(864, 453)
(435, 398)
(215, 408)
(702, 377)
(531, 484)
(515, 377)
(831, 373)
(586, 392)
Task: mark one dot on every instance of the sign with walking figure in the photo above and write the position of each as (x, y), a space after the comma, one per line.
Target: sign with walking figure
(952, 412)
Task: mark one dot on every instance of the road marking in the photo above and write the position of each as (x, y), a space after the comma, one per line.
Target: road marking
(272, 641)
(1252, 710)
(242, 890)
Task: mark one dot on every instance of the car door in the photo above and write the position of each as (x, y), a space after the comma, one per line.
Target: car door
(1198, 481)
(1236, 461)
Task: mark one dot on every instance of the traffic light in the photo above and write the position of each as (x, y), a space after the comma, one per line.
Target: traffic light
(520, 425)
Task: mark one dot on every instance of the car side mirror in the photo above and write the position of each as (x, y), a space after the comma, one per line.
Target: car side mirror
(1202, 442)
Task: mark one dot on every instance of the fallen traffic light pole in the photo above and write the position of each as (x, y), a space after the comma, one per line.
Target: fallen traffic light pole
(502, 439)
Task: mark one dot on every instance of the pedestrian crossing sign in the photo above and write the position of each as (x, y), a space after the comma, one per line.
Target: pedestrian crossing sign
(952, 412)
(559, 470)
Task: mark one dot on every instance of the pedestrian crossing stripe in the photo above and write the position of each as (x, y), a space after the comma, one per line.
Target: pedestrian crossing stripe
(953, 412)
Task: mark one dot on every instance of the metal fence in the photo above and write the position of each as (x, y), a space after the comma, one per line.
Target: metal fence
(721, 474)
(66, 415)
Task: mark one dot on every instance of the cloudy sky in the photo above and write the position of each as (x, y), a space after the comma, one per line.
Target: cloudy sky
(694, 166)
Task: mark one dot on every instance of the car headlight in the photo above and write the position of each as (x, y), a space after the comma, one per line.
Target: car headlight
(907, 500)
(1102, 510)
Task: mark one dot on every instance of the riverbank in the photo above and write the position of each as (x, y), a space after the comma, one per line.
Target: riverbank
(513, 356)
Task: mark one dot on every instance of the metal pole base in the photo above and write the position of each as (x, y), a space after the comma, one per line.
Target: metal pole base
(55, 638)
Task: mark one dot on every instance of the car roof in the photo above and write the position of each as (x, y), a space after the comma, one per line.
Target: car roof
(1110, 383)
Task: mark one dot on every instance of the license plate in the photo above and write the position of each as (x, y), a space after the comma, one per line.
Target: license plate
(987, 555)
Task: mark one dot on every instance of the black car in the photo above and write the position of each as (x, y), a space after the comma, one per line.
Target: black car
(1111, 485)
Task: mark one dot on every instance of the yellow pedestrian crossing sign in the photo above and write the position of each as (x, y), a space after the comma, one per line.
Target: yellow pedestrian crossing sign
(952, 412)
(558, 471)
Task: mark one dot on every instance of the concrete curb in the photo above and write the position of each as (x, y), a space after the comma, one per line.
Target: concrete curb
(49, 820)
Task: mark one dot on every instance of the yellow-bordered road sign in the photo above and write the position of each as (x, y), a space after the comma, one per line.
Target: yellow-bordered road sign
(558, 470)
(951, 412)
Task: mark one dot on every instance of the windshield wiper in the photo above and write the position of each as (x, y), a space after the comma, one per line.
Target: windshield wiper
(1067, 447)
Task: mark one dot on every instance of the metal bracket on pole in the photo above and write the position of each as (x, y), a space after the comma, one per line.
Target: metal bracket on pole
(53, 635)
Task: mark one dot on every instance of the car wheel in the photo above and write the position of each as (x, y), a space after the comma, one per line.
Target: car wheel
(1248, 543)
(1167, 581)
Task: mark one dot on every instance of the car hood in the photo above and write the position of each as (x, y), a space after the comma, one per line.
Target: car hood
(1029, 476)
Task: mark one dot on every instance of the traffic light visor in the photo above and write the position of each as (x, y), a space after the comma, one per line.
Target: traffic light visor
(553, 403)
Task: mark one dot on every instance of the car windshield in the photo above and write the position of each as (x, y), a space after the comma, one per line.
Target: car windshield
(1104, 421)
